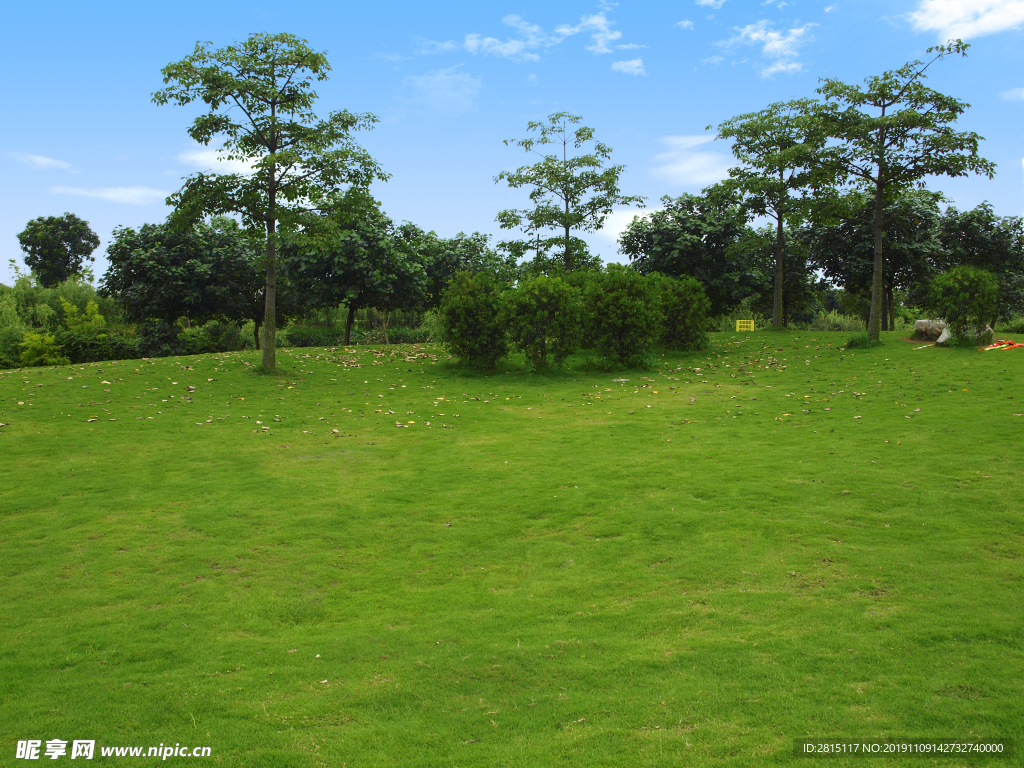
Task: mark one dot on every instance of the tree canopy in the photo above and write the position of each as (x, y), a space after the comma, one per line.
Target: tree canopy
(56, 247)
(569, 192)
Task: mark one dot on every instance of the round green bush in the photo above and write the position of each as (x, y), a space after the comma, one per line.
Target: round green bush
(471, 318)
(684, 309)
(966, 298)
(545, 315)
(623, 311)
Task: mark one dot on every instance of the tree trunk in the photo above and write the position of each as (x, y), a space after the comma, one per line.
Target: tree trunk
(885, 310)
(778, 313)
(567, 259)
(348, 324)
(270, 309)
(892, 308)
(256, 333)
(878, 276)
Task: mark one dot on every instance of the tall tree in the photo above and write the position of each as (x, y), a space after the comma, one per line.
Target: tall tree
(56, 246)
(570, 192)
(777, 148)
(889, 135)
(260, 100)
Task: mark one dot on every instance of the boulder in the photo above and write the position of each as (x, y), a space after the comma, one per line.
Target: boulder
(928, 329)
(944, 336)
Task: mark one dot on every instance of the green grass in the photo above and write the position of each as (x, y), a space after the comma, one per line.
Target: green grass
(693, 567)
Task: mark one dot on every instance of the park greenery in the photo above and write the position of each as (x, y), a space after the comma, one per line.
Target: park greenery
(315, 486)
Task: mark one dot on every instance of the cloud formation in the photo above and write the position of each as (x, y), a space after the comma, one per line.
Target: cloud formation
(39, 161)
(715, 4)
(126, 195)
(1014, 94)
(780, 47)
(620, 218)
(530, 40)
(631, 67)
(684, 24)
(967, 18)
(444, 90)
(686, 165)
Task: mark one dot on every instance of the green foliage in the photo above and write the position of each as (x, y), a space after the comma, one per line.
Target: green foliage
(836, 321)
(862, 341)
(696, 235)
(623, 310)
(442, 257)
(313, 336)
(40, 349)
(82, 322)
(56, 246)
(157, 338)
(214, 336)
(966, 298)
(471, 319)
(93, 346)
(684, 310)
(160, 272)
(545, 315)
(568, 192)
(10, 345)
(260, 96)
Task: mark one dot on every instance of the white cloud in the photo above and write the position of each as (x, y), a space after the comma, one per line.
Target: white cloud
(684, 24)
(1014, 94)
(713, 61)
(967, 18)
(686, 165)
(619, 219)
(780, 4)
(530, 39)
(631, 67)
(781, 46)
(206, 159)
(39, 161)
(445, 90)
(127, 195)
(716, 4)
(830, 8)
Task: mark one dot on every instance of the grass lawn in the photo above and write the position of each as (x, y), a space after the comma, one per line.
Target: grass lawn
(773, 539)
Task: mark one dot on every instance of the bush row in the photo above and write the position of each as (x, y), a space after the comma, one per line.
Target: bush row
(617, 312)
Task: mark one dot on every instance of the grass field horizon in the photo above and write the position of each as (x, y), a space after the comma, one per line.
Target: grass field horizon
(695, 564)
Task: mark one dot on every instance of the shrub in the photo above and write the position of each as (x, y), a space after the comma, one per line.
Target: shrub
(215, 336)
(313, 336)
(862, 342)
(1013, 325)
(471, 319)
(75, 320)
(399, 335)
(10, 346)
(836, 321)
(158, 339)
(91, 346)
(966, 298)
(41, 349)
(544, 315)
(684, 308)
(623, 310)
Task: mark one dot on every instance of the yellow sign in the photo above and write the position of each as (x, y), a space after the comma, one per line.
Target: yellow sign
(744, 325)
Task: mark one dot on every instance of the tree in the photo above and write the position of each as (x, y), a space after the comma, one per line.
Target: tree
(160, 272)
(260, 99)
(891, 134)
(569, 193)
(695, 235)
(800, 290)
(965, 297)
(844, 250)
(355, 255)
(995, 243)
(56, 246)
(442, 257)
(777, 147)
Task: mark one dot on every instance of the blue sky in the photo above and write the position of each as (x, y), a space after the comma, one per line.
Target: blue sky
(449, 81)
